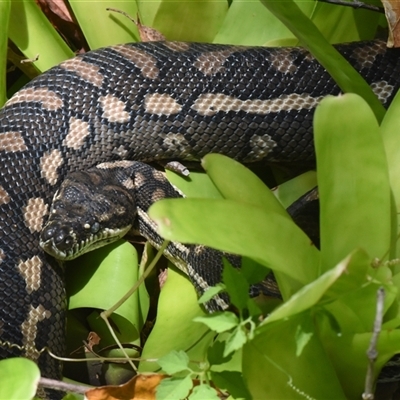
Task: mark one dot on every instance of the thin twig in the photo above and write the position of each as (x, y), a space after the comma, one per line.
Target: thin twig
(372, 352)
(62, 386)
(355, 4)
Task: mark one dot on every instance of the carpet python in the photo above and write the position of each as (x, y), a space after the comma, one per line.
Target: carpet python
(143, 102)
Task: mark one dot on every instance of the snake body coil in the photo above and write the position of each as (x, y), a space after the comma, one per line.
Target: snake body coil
(145, 102)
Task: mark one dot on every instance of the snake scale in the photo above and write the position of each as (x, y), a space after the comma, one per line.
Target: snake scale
(144, 102)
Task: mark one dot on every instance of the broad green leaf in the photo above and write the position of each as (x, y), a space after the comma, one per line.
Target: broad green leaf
(190, 20)
(237, 228)
(173, 362)
(197, 184)
(115, 27)
(36, 36)
(347, 353)
(105, 276)
(272, 354)
(347, 275)
(238, 183)
(348, 79)
(19, 378)
(355, 310)
(174, 388)
(389, 130)
(290, 191)
(355, 203)
(174, 328)
(5, 7)
(219, 321)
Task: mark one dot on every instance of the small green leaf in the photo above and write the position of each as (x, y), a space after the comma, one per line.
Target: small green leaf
(202, 392)
(235, 341)
(236, 285)
(253, 271)
(215, 353)
(173, 362)
(232, 381)
(174, 388)
(219, 321)
(211, 292)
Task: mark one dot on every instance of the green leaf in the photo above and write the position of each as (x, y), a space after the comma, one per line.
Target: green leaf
(390, 136)
(19, 378)
(211, 292)
(232, 381)
(236, 182)
(174, 328)
(111, 270)
(235, 341)
(219, 321)
(355, 203)
(190, 20)
(303, 336)
(272, 354)
(253, 271)
(290, 191)
(36, 36)
(202, 392)
(115, 27)
(174, 388)
(197, 184)
(269, 238)
(311, 294)
(236, 286)
(215, 353)
(5, 7)
(347, 353)
(173, 362)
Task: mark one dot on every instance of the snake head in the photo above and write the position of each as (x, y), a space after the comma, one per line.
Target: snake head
(90, 210)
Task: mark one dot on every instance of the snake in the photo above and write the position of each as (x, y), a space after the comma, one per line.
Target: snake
(102, 116)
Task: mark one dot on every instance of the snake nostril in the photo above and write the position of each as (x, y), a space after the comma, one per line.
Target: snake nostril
(63, 240)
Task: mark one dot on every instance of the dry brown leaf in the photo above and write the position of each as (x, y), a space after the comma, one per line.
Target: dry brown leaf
(392, 12)
(140, 387)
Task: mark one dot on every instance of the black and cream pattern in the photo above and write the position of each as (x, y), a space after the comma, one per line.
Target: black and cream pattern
(144, 102)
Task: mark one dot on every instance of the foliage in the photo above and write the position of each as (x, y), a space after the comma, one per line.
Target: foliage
(329, 296)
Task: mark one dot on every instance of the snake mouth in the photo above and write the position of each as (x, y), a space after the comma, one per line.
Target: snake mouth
(71, 247)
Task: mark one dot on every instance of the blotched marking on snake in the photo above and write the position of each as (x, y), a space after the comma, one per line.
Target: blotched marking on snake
(4, 196)
(48, 99)
(143, 60)
(86, 71)
(29, 330)
(11, 142)
(77, 133)
(49, 164)
(34, 213)
(31, 270)
(209, 104)
(114, 109)
(161, 104)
